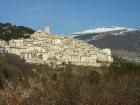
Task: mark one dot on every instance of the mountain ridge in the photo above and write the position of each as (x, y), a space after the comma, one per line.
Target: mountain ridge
(104, 29)
(118, 40)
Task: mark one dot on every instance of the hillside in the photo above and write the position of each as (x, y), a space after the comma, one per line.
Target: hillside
(129, 56)
(13, 69)
(25, 84)
(9, 31)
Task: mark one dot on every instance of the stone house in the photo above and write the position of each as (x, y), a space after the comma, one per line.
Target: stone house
(2, 49)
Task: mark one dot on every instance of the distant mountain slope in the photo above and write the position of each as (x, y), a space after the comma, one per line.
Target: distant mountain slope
(128, 56)
(9, 31)
(103, 30)
(112, 37)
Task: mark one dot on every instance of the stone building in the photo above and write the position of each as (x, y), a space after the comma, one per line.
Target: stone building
(44, 47)
(2, 49)
(2, 46)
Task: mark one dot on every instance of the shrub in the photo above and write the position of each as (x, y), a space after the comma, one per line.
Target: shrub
(94, 77)
(54, 77)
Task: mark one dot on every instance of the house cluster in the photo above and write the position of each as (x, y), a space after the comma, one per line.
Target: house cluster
(2, 46)
(46, 48)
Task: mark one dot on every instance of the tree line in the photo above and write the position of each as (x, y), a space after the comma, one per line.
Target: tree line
(9, 31)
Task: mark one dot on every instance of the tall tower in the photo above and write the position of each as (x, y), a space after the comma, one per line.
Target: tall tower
(47, 30)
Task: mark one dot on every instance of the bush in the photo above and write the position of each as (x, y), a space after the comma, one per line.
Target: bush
(54, 77)
(94, 77)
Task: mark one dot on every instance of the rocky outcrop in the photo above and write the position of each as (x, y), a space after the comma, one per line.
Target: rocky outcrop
(47, 48)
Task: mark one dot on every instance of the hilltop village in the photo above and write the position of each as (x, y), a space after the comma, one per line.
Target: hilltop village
(46, 48)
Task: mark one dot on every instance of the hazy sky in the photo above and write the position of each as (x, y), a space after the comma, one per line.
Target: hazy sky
(67, 16)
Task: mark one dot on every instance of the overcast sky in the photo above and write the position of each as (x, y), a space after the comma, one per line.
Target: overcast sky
(67, 16)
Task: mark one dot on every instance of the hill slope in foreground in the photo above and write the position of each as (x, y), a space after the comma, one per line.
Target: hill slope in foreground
(25, 84)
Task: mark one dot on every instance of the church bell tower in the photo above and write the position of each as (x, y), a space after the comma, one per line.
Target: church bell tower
(47, 30)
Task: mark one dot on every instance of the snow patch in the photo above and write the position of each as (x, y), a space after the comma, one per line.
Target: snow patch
(104, 29)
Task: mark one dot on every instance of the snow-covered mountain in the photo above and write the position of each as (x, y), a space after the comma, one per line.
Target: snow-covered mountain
(104, 30)
(111, 37)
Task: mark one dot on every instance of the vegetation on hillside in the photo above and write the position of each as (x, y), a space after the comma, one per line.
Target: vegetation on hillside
(26, 84)
(13, 69)
(9, 31)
